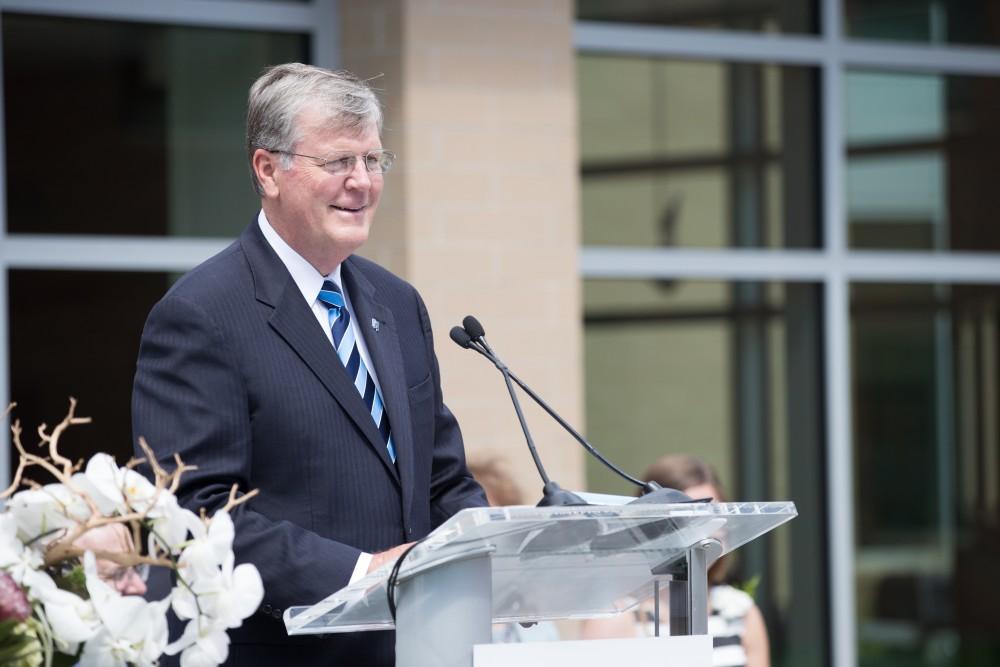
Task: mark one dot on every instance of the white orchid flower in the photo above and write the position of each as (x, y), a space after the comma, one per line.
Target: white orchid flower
(10, 546)
(106, 505)
(228, 596)
(22, 563)
(203, 644)
(72, 618)
(215, 595)
(169, 529)
(242, 592)
(214, 603)
(45, 514)
(126, 488)
(210, 546)
(133, 631)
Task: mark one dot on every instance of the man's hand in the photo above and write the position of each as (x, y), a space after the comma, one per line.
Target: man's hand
(388, 556)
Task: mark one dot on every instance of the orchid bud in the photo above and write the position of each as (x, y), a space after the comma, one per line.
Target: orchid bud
(13, 601)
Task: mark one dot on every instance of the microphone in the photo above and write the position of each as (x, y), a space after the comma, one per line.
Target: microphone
(460, 337)
(473, 336)
(473, 328)
(552, 493)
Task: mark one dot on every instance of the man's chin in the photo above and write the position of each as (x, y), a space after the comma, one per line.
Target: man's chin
(350, 239)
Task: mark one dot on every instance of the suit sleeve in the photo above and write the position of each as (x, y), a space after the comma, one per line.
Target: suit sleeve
(189, 398)
(452, 486)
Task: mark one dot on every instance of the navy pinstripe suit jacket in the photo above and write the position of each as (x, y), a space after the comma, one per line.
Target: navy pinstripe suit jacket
(236, 375)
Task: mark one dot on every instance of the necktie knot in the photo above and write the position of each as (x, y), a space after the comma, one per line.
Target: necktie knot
(331, 296)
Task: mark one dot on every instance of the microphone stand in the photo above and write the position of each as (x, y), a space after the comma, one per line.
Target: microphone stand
(475, 338)
(552, 493)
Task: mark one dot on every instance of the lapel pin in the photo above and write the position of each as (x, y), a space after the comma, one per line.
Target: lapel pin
(375, 324)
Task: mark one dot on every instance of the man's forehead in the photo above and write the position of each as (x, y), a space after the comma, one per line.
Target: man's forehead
(312, 121)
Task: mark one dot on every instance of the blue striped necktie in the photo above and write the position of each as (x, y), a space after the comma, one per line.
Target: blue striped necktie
(347, 349)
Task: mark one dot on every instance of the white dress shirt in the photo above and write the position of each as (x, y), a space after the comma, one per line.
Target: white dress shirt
(309, 281)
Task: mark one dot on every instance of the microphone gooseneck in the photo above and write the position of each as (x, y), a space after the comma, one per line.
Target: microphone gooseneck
(475, 339)
(552, 493)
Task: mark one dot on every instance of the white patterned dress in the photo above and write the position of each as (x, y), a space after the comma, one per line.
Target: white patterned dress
(728, 609)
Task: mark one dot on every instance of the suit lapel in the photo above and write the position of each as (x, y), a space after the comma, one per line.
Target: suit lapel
(376, 323)
(293, 320)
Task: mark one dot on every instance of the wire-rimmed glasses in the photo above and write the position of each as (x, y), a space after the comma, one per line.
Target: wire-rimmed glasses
(376, 162)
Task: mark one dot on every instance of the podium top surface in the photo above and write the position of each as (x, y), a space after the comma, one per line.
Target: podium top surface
(553, 562)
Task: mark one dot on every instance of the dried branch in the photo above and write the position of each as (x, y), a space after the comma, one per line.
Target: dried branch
(234, 501)
(126, 558)
(28, 460)
(64, 548)
(53, 439)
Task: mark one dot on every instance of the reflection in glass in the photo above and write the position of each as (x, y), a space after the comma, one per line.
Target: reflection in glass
(729, 372)
(921, 172)
(924, 21)
(772, 16)
(129, 128)
(926, 400)
(76, 333)
(703, 154)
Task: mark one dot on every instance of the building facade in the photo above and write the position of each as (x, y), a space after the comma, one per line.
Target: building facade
(759, 231)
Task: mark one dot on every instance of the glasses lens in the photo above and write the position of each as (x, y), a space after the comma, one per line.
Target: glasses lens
(379, 162)
(343, 165)
(120, 574)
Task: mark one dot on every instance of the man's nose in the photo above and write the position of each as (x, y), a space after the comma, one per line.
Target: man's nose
(132, 584)
(359, 176)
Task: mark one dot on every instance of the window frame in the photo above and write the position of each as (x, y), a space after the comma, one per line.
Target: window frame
(835, 265)
(317, 19)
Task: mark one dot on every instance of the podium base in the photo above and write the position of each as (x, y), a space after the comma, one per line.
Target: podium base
(443, 612)
(688, 651)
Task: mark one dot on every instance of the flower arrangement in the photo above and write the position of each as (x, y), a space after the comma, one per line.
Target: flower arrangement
(55, 606)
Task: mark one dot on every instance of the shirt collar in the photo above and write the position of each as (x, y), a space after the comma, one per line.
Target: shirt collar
(306, 277)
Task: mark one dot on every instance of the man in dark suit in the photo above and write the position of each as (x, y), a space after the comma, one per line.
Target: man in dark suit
(289, 365)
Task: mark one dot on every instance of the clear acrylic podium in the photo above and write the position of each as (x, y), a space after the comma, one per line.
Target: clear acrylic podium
(494, 565)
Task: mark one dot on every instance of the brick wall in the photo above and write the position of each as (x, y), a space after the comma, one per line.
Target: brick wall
(481, 213)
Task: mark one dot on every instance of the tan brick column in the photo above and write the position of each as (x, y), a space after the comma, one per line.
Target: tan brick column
(481, 213)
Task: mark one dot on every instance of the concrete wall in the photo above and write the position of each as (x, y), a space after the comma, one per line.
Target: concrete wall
(482, 212)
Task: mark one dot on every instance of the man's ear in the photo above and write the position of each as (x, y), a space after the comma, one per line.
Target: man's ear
(266, 167)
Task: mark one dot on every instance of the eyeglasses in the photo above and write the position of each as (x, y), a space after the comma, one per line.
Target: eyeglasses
(120, 574)
(376, 162)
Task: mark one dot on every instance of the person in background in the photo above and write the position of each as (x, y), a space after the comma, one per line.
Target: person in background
(501, 491)
(739, 636)
(127, 580)
(493, 475)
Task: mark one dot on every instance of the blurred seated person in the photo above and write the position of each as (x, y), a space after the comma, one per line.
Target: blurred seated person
(739, 636)
(115, 537)
(493, 475)
(501, 491)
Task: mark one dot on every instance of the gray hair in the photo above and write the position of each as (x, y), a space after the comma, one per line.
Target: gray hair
(283, 91)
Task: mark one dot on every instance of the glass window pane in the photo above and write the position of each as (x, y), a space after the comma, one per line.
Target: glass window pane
(76, 333)
(129, 128)
(730, 372)
(697, 154)
(929, 21)
(926, 372)
(921, 173)
(772, 16)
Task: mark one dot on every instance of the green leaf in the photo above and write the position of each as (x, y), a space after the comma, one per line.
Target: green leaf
(18, 647)
(73, 580)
